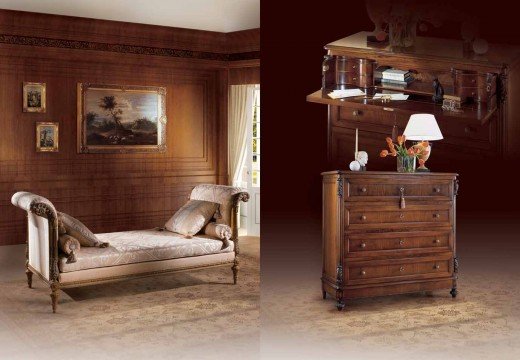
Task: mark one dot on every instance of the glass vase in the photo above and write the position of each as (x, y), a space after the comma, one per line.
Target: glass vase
(406, 164)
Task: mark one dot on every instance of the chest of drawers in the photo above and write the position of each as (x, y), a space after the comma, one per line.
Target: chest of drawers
(388, 233)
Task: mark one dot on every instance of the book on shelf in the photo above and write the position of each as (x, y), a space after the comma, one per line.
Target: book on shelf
(396, 74)
(378, 72)
(394, 83)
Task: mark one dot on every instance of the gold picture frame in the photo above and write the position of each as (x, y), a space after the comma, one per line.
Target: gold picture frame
(34, 97)
(47, 137)
(121, 119)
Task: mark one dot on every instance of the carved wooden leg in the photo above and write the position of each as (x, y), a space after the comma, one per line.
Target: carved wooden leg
(54, 296)
(29, 277)
(235, 271)
(454, 292)
(340, 304)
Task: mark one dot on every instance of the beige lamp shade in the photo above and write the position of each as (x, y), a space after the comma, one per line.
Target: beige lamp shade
(422, 127)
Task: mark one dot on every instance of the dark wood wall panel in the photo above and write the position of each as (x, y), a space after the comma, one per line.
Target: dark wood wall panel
(110, 192)
(243, 76)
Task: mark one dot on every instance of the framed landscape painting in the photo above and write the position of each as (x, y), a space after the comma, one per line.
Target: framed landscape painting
(121, 119)
(34, 97)
(47, 137)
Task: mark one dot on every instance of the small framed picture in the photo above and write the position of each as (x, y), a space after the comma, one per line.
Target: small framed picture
(47, 137)
(34, 97)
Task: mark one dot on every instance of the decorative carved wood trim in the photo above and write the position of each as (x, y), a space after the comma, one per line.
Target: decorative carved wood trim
(455, 264)
(340, 187)
(125, 49)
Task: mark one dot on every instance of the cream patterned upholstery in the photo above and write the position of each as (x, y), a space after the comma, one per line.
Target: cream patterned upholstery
(129, 247)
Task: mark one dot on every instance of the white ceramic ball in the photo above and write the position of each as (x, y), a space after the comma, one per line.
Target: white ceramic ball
(355, 166)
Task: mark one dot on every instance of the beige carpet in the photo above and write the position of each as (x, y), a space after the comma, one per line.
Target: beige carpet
(483, 322)
(193, 314)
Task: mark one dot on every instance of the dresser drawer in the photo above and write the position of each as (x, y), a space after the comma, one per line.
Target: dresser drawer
(364, 189)
(400, 243)
(397, 216)
(398, 270)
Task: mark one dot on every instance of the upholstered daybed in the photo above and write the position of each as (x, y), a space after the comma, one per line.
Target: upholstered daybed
(131, 253)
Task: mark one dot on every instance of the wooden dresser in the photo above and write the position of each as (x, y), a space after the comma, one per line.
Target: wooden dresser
(388, 233)
(486, 127)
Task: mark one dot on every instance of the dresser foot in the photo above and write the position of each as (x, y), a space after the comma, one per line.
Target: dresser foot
(324, 293)
(454, 292)
(340, 305)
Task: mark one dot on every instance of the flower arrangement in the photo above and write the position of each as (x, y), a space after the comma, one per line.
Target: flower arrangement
(405, 156)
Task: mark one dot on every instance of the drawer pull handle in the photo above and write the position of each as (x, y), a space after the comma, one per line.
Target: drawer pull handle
(401, 269)
(363, 272)
(437, 190)
(363, 245)
(356, 112)
(401, 242)
(436, 267)
(363, 189)
(402, 203)
(436, 216)
(363, 217)
(437, 241)
(353, 66)
(401, 216)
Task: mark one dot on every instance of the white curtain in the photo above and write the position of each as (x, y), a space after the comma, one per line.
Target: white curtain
(240, 117)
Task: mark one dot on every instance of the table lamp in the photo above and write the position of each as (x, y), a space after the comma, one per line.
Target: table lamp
(423, 127)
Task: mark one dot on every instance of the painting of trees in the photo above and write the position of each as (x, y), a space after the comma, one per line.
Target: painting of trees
(115, 116)
(109, 104)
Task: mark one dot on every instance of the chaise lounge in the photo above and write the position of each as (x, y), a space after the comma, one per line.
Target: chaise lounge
(131, 253)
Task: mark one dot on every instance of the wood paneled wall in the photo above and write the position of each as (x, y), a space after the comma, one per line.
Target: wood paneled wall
(113, 192)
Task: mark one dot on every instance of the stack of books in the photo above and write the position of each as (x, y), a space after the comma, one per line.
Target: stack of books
(396, 77)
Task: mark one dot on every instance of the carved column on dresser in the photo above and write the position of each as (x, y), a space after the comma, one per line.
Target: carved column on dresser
(374, 245)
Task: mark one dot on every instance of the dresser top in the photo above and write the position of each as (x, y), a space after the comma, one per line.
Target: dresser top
(429, 48)
(386, 173)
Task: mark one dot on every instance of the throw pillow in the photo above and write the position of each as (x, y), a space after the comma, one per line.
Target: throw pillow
(78, 230)
(192, 217)
(70, 246)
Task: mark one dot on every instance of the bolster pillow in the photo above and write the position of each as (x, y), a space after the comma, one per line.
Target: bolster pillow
(70, 246)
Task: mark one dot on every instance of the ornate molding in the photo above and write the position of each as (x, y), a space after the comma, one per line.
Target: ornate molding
(339, 276)
(456, 187)
(340, 186)
(242, 196)
(250, 55)
(126, 49)
(502, 85)
(455, 265)
(43, 210)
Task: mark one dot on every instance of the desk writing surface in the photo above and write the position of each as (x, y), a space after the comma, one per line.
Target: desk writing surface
(415, 104)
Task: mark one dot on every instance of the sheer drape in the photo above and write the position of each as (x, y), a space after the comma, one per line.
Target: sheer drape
(240, 116)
